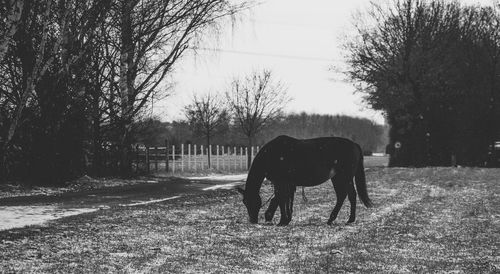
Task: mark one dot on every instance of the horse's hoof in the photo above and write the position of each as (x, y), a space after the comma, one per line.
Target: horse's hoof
(282, 224)
(350, 222)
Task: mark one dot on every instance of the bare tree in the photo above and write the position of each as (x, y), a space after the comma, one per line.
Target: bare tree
(255, 101)
(152, 35)
(72, 64)
(208, 116)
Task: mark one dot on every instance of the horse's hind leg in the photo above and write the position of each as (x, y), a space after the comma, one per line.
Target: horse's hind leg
(341, 193)
(273, 205)
(351, 192)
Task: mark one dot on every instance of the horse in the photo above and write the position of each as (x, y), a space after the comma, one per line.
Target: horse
(288, 162)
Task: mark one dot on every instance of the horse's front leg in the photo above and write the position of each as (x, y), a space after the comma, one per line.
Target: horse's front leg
(285, 200)
(273, 205)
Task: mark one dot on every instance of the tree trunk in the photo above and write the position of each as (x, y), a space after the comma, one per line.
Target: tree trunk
(96, 140)
(126, 152)
(126, 84)
(209, 151)
(4, 169)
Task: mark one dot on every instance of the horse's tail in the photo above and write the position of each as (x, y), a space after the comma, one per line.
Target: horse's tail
(360, 179)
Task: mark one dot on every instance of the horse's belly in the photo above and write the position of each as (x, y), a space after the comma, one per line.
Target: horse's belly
(300, 173)
(317, 177)
(304, 177)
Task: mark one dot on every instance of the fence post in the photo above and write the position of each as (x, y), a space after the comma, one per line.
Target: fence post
(189, 156)
(166, 156)
(223, 159)
(173, 159)
(209, 156)
(231, 157)
(217, 156)
(246, 158)
(241, 158)
(231, 162)
(228, 158)
(251, 156)
(202, 162)
(147, 160)
(156, 159)
(235, 158)
(182, 157)
(136, 158)
(194, 157)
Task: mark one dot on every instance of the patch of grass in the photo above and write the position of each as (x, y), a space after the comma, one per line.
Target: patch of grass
(425, 220)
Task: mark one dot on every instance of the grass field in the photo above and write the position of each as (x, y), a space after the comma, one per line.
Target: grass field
(425, 220)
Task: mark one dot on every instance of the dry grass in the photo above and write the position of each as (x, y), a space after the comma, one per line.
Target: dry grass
(425, 220)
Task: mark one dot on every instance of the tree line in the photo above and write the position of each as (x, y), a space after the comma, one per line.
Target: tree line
(433, 68)
(371, 136)
(75, 77)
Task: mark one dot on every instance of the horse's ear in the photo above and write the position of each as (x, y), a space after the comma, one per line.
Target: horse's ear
(240, 190)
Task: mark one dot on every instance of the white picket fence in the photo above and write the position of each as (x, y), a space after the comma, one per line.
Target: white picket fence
(192, 158)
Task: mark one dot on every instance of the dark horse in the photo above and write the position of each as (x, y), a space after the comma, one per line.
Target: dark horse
(288, 162)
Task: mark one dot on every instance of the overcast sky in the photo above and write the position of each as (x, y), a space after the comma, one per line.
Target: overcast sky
(300, 41)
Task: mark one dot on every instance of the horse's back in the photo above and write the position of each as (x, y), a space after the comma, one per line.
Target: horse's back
(308, 161)
(329, 149)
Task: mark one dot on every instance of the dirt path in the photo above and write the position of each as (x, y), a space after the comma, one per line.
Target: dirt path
(21, 211)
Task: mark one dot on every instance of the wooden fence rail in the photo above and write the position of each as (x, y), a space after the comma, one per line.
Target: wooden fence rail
(192, 158)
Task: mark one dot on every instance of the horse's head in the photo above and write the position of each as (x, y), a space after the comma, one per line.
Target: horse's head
(253, 204)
